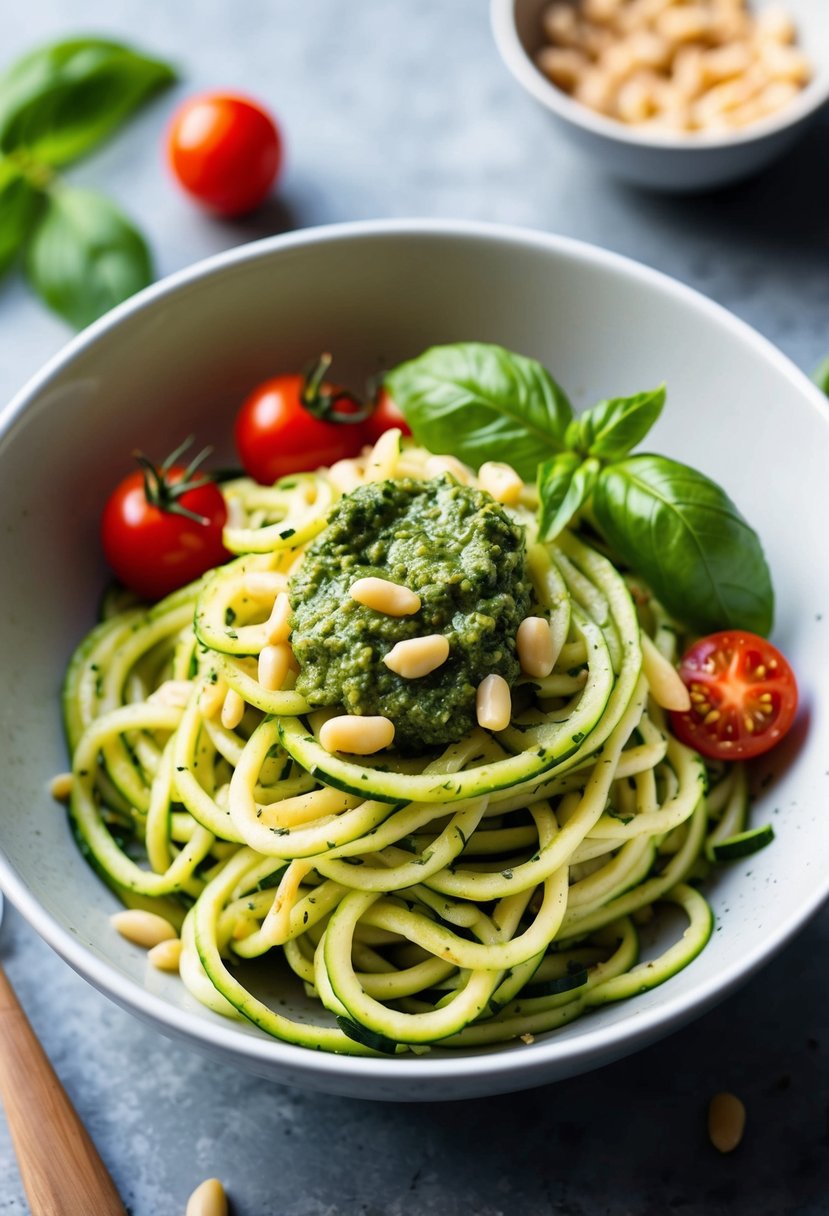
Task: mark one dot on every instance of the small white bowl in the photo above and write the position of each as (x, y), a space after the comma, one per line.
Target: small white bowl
(670, 163)
(179, 357)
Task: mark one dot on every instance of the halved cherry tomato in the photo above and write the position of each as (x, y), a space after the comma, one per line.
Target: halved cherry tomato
(385, 415)
(225, 150)
(743, 696)
(293, 423)
(158, 537)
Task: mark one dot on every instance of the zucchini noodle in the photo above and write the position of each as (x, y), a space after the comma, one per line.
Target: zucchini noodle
(490, 891)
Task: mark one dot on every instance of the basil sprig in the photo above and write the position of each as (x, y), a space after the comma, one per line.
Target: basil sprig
(664, 520)
(56, 105)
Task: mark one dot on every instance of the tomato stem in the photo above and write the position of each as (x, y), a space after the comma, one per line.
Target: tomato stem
(164, 494)
(323, 402)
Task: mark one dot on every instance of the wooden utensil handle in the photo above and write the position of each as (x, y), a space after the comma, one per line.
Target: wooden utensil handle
(61, 1170)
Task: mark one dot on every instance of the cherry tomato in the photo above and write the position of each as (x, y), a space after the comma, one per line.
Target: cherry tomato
(384, 416)
(277, 434)
(743, 696)
(225, 150)
(151, 545)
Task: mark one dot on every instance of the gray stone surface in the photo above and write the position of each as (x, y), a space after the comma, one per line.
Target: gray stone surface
(403, 109)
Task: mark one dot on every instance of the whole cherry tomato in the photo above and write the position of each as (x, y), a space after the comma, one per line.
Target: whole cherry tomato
(225, 150)
(743, 696)
(295, 423)
(385, 415)
(162, 527)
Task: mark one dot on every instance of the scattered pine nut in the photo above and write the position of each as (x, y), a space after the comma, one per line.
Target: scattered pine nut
(274, 663)
(233, 709)
(528, 1039)
(278, 628)
(356, 735)
(534, 642)
(384, 596)
(208, 1199)
(667, 689)
(418, 657)
(166, 956)
(345, 475)
(383, 458)
(60, 787)
(493, 703)
(212, 698)
(726, 1121)
(142, 928)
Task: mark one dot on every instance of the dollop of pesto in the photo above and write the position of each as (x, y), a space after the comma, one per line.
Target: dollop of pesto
(466, 559)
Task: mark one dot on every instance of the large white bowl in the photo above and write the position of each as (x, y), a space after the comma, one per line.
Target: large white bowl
(659, 161)
(180, 356)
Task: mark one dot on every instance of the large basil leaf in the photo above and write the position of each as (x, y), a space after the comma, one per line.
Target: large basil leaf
(85, 256)
(683, 534)
(564, 486)
(481, 402)
(19, 206)
(612, 428)
(60, 101)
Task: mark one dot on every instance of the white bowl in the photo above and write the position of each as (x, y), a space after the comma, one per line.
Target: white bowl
(662, 161)
(180, 356)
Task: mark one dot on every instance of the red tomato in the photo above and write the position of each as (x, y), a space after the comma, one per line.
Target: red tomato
(276, 434)
(225, 150)
(743, 696)
(150, 545)
(384, 416)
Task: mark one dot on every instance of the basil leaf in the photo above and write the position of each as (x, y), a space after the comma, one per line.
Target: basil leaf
(481, 402)
(19, 206)
(564, 485)
(685, 536)
(821, 375)
(85, 256)
(610, 429)
(60, 101)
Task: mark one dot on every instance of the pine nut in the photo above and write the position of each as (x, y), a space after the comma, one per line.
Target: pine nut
(383, 458)
(437, 465)
(561, 24)
(565, 68)
(726, 1121)
(418, 656)
(667, 689)
(635, 102)
(212, 698)
(596, 89)
(143, 928)
(356, 735)
(785, 63)
(534, 642)
(60, 787)
(264, 583)
(273, 665)
(501, 481)
(691, 23)
(774, 97)
(208, 1199)
(278, 628)
(233, 709)
(493, 703)
(166, 956)
(776, 24)
(384, 596)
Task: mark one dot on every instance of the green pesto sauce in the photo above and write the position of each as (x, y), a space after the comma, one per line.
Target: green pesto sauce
(458, 549)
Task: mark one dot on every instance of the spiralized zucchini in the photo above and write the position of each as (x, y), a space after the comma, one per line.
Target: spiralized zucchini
(491, 892)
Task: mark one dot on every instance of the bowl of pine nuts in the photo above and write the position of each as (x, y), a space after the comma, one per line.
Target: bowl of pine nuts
(672, 95)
